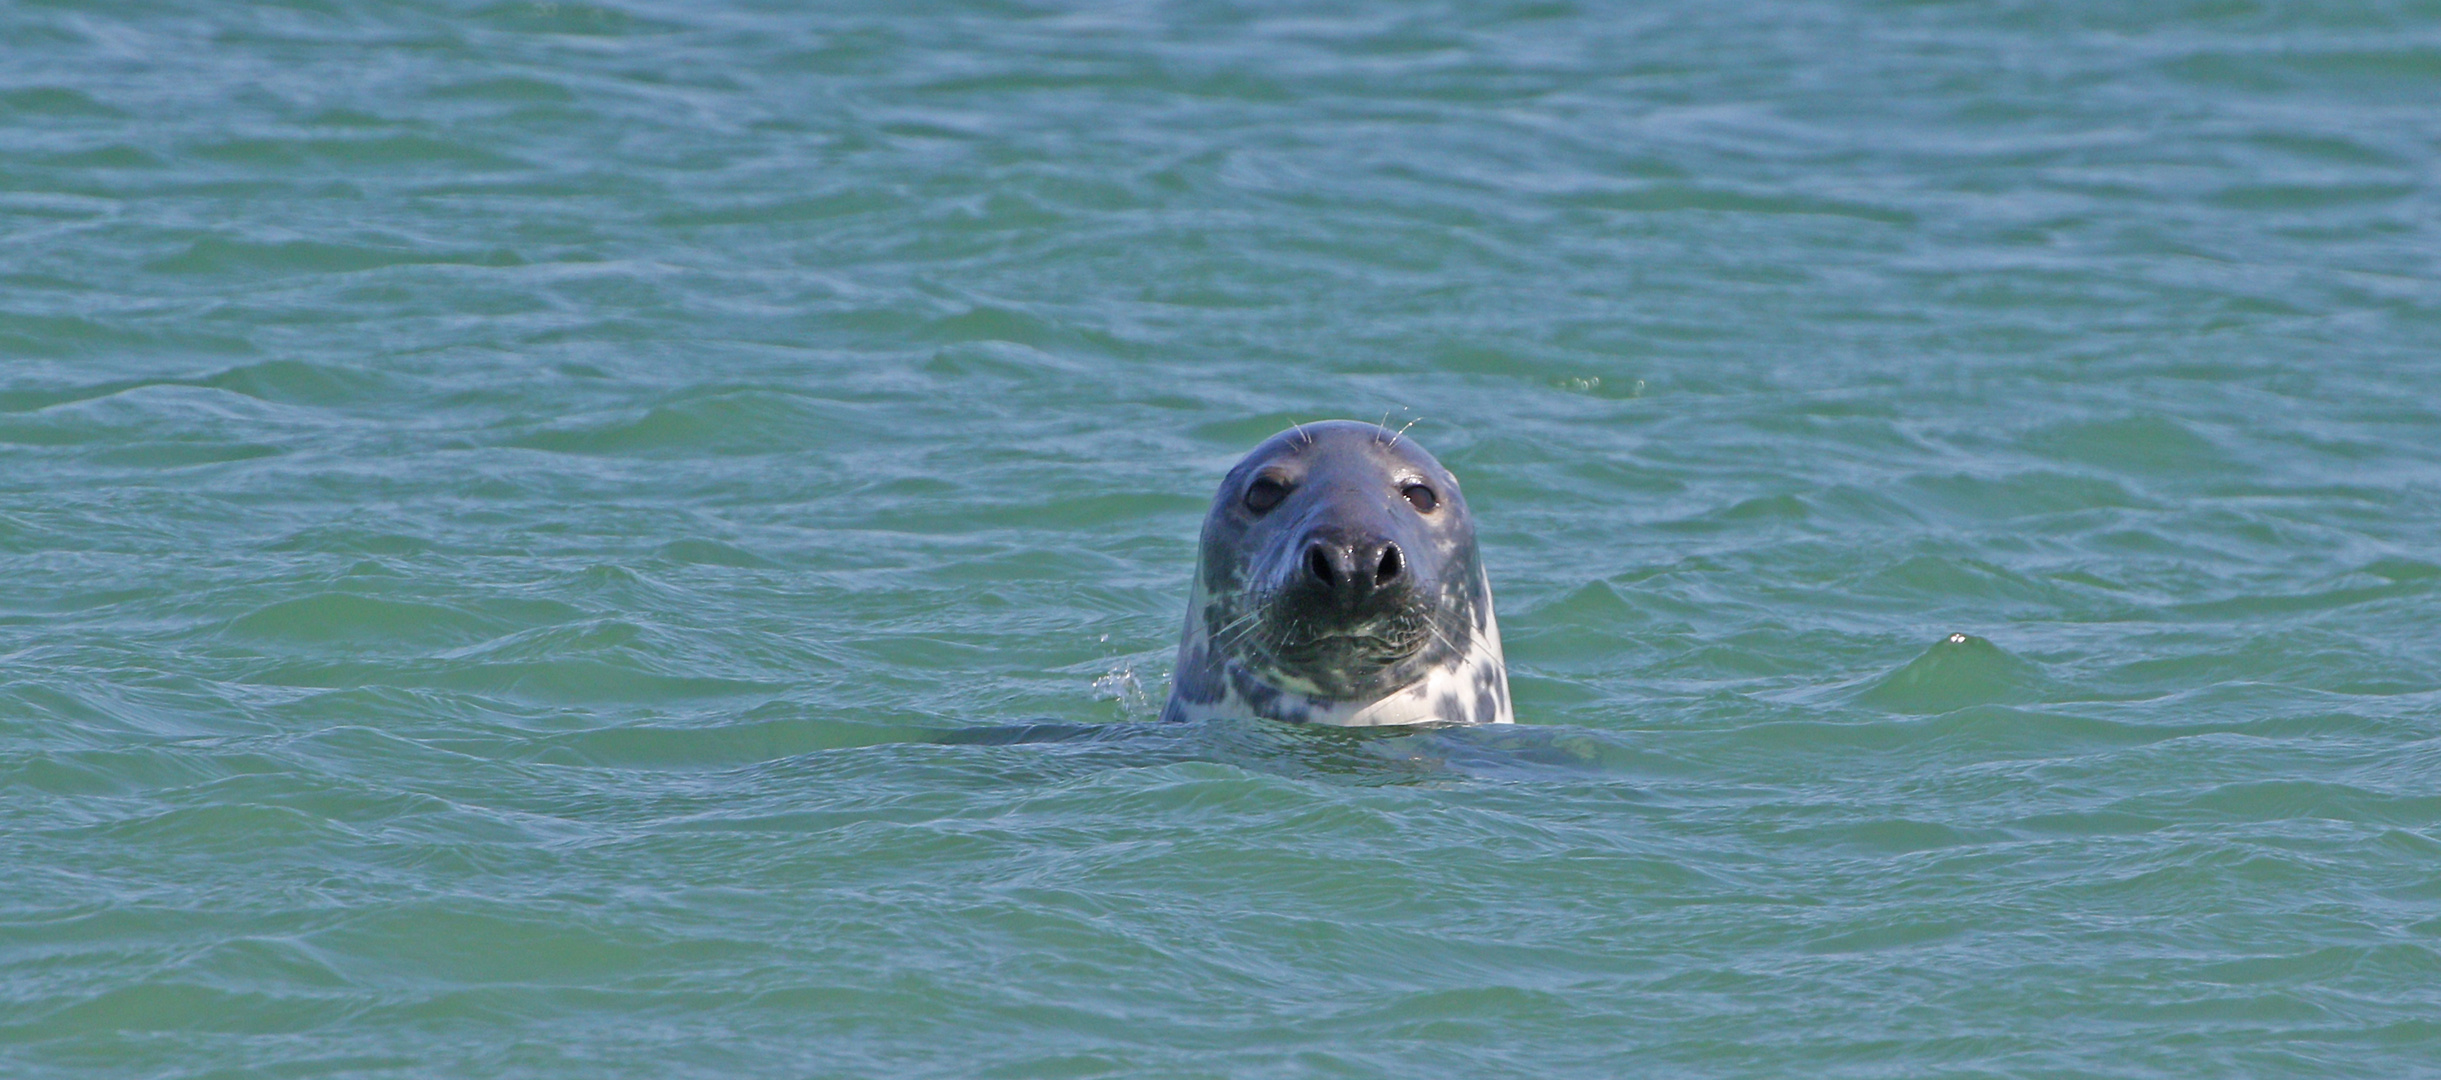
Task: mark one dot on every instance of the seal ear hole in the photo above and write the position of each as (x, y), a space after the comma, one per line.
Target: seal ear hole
(1264, 494)
(1421, 497)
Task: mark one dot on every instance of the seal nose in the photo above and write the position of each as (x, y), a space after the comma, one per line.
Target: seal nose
(1353, 572)
(1389, 566)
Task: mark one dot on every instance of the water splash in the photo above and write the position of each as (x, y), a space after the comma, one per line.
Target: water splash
(1121, 685)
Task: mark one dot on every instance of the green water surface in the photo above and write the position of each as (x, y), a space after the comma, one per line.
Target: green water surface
(507, 508)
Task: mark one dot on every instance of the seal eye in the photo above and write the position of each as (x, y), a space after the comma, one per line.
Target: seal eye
(1264, 494)
(1421, 498)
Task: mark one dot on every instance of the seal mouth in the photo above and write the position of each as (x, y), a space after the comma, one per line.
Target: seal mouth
(1381, 650)
(1333, 654)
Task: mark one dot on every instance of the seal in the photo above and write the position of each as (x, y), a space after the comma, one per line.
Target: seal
(1338, 583)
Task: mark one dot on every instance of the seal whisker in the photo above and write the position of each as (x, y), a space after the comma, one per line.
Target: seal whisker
(1229, 636)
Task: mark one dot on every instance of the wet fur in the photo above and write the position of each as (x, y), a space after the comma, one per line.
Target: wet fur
(1432, 658)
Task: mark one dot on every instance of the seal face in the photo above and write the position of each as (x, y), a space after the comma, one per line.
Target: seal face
(1338, 583)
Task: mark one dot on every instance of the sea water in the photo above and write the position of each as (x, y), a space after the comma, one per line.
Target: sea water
(633, 539)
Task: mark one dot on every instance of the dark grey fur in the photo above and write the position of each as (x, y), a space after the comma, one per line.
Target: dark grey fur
(1345, 603)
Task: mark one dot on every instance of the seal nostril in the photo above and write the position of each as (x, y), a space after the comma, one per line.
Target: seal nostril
(1390, 566)
(1318, 563)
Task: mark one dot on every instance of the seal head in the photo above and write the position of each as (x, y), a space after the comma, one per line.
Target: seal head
(1338, 583)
